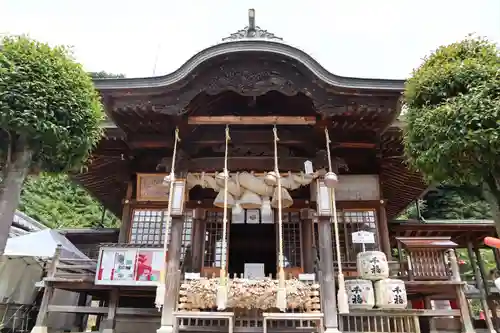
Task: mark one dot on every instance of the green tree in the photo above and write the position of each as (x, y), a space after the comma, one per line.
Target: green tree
(58, 202)
(453, 118)
(50, 114)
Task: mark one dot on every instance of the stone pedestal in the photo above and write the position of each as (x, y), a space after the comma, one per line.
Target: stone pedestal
(328, 290)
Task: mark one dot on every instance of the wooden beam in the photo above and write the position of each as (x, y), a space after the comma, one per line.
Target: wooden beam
(251, 120)
(253, 163)
(103, 310)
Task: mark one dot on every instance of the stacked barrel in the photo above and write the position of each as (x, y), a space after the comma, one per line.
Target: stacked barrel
(373, 288)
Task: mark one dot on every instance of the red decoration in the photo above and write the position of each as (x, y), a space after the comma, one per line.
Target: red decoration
(418, 304)
(492, 242)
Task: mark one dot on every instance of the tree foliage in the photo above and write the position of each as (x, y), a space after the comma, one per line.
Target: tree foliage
(48, 100)
(451, 203)
(59, 203)
(453, 117)
(50, 115)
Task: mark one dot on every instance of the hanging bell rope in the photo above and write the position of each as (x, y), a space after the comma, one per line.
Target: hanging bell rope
(343, 305)
(160, 288)
(281, 294)
(222, 291)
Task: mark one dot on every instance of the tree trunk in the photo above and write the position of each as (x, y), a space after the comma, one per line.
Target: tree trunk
(491, 192)
(12, 184)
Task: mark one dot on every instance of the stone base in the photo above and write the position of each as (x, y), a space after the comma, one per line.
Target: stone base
(331, 330)
(165, 329)
(39, 329)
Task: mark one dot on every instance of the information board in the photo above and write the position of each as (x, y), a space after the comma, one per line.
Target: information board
(129, 266)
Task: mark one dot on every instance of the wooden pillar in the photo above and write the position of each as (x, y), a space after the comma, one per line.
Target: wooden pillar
(428, 321)
(459, 289)
(81, 318)
(48, 292)
(496, 254)
(484, 280)
(383, 231)
(474, 260)
(327, 277)
(110, 321)
(172, 276)
(126, 218)
(102, 303)
(306, 216)
(198, 238)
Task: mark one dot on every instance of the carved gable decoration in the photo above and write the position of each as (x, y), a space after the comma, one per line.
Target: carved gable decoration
(251, 31)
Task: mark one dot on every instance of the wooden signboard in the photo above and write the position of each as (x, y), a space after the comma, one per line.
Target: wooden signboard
(357, 187)
(129, 266)
(150, 187)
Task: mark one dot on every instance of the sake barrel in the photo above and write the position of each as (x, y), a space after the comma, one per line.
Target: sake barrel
(390, 294)
(360, 294)
(372, 265)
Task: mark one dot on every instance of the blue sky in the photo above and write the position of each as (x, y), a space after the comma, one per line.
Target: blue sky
(360, 38)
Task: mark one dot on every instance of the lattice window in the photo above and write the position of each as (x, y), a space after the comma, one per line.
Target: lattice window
(187, 232)
(358, 220)
(148, 228)
(291, 239)
(349, 221)
(213, 240)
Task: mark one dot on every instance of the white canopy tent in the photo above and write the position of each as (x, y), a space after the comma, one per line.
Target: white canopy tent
(25, 258)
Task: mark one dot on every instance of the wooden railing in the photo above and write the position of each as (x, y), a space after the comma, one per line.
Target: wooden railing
(400, 321)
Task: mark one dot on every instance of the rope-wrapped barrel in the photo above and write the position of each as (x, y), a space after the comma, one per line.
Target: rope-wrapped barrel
(200, 294)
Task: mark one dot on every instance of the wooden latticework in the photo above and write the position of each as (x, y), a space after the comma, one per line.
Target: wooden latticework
(213, 239)
(352, 220)
(148, 228)
(426, 257)
(292, 234)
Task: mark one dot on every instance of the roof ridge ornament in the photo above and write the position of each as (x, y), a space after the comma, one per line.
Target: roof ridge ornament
(251, 31)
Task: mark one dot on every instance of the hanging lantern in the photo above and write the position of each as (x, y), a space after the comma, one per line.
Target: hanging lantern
(331, 180)
(321, 195)
(250, 200)
(219, 200)
(270, 179)
(286, 198)
(178, 197)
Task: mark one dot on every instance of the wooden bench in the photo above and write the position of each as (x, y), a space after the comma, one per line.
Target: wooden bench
(318, 317)
(204, 315)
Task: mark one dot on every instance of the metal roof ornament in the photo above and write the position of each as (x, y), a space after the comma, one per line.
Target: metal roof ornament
(251, 31)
